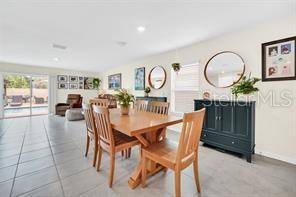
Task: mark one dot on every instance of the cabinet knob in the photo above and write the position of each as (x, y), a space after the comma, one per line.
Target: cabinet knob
(205, 135)
(232, 142)
(220, 118)
(216, 117)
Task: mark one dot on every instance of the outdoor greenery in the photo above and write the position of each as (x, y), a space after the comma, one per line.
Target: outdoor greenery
(124, 98)
(19, 81)
(245, 86)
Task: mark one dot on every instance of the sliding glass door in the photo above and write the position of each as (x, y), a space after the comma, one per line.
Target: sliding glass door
(25, 95)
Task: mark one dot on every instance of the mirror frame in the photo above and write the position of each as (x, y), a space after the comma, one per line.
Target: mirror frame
(205, 70)
(149, 77)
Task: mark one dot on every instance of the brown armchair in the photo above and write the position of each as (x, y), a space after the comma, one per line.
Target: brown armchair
(73, 101)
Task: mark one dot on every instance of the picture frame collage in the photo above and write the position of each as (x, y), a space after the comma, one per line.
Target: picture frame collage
(77, 82)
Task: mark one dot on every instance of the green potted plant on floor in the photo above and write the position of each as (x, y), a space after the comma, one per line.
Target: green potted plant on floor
(245, 86)
(124, 99)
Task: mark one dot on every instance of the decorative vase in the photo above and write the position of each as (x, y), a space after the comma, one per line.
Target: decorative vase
(124, 110)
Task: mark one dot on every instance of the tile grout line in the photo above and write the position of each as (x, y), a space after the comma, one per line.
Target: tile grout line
(12, 186)
(59, 176)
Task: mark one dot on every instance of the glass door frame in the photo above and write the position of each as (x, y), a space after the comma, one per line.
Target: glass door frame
(31, 75)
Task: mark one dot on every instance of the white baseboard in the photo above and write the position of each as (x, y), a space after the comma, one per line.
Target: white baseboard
(276, 156)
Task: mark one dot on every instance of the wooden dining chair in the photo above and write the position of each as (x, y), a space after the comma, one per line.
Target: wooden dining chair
(99, 102)
(159, 107)
(178, 157)
(91, 131)
(141, 105)
(105, 103)
(110, 140)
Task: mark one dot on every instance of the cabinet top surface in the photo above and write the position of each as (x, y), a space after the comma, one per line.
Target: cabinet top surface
(217, 100)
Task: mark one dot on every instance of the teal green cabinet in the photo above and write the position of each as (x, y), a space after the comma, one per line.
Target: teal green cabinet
(229, 125)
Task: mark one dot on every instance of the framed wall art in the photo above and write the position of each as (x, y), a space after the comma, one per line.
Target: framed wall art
(73, 85)
(62, 85)
(140, 78)
(62, 78)
(73, 79)
(114, 81)
(278, 60)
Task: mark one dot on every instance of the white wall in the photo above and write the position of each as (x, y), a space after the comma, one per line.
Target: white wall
(275, 126)
(61, 95)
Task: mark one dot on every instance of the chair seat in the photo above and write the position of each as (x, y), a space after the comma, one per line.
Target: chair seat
(120, 138)
(164, 152)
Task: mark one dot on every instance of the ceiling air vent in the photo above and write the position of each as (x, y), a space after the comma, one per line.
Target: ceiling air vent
(58, 46)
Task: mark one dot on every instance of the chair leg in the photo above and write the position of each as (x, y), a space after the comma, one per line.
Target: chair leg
(122, 153)
(99, 159)
(126, 153)
(144, 170)
(129, 152)
(87, 145)
(195, 168)
(95, 155)
(112, 166)
(178, 183)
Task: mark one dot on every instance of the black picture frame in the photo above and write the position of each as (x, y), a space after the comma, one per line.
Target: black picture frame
(62, 78)
(63, 86)
(114, 81)
(274, 51)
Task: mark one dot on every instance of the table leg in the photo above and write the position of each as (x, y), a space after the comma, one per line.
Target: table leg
(152, 167)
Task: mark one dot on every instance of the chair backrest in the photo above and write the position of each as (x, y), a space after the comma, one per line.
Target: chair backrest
(89, 120)
(103, 124)
(111, 98)
(190, 136)
(159, 107)
(99, 102)
(74, 99)
(141, 105)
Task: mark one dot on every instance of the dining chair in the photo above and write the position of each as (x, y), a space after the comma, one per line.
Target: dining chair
(105, 103)
(141, 105)
(159, 107)
(110, 140)
(99, 102)
(91, 131)
(178, 157)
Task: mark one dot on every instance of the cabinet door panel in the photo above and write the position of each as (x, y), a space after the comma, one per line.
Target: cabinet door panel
(211, 117)
(226, 119)
(242, 121)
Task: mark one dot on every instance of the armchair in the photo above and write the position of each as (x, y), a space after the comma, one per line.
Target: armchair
(73, 101)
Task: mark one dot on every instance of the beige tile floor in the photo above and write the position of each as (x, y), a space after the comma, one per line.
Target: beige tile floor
(44, 156)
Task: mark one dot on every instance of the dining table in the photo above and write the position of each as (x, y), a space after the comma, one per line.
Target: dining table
(148, 128)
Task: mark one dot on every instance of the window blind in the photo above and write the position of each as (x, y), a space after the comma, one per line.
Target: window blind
(185, 86)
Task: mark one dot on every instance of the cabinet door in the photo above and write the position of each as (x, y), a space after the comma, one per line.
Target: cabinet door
(211, 117)
(242, 121)
(226, 118)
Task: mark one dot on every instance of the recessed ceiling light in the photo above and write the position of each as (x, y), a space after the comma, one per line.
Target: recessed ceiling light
(141, 29)
(55, 59)
(121, 43)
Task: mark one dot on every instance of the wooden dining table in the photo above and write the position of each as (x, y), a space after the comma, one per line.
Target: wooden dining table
(148, 128)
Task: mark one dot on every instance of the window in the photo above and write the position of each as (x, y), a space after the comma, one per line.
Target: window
(184, 88)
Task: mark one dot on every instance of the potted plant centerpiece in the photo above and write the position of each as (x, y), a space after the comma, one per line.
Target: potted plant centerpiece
(245, 86)
(124, 99)
(147, 90)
